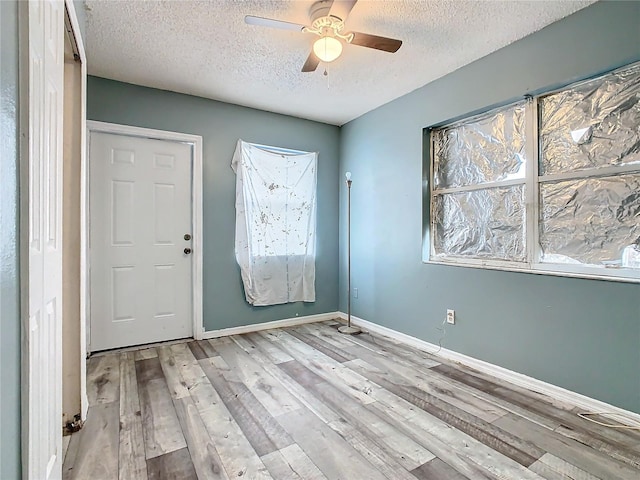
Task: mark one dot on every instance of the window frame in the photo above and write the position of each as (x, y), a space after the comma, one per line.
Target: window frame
(532, 183)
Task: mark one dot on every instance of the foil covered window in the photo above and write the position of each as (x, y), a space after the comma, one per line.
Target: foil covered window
(589, 144)
(593, 221)
(478, 206)
(591, 125)
(486, 150)
(486, 223)
(550, 185)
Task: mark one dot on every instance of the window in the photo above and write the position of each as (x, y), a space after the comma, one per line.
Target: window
(550, 184)
(275, 223)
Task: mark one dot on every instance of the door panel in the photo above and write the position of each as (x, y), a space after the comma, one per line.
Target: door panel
(42, 360)
(140, 210)
(124, 294)
(164, 213)
(122, 194)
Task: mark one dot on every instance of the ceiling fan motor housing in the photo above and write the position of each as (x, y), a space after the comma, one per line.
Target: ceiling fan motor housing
(320, 9)
(326, 25)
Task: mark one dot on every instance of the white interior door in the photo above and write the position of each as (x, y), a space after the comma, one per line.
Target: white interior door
(140, 264)
(42, 275)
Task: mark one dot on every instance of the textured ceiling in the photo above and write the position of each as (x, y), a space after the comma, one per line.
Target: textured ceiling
(204, 48)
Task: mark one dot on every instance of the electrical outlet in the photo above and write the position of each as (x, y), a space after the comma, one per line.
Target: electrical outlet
(451, 316)
(355, 293)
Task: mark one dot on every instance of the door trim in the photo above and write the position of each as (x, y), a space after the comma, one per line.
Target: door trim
(74, 23)
(196, 212)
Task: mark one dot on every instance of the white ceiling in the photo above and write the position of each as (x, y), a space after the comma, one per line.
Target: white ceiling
(204, 48)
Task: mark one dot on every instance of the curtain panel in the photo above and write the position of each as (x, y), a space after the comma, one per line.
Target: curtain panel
(275, 243)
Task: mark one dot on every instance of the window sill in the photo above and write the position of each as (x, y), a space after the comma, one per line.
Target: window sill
(589, 273)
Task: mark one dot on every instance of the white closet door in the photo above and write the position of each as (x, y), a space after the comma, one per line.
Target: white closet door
(42, 361)
(140, 212)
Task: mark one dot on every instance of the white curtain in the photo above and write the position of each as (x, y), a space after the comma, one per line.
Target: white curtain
(275, 223)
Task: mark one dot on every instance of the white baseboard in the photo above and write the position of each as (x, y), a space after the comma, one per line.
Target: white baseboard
(587, 403)
(287, 322)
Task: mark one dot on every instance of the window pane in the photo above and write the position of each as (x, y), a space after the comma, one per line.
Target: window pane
(592, 125)
(481, 223)
(592, 221)
(487, 149)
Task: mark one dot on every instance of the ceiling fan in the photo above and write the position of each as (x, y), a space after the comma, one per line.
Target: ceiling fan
(327, 22)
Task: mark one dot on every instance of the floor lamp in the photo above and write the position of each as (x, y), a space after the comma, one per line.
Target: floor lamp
(348, 329)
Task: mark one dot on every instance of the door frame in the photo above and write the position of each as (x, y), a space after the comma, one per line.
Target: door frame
(74, 26)
(196, 214)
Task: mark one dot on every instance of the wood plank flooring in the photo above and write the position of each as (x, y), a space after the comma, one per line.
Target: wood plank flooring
(308, 403)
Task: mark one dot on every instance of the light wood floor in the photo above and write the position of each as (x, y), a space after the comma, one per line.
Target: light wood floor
(309, 403)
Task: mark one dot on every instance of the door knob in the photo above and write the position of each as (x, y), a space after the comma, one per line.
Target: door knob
(187, 251)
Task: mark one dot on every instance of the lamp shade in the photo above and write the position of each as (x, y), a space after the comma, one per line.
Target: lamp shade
(327, 49)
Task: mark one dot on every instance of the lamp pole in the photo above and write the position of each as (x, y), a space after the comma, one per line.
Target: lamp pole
(348, 329)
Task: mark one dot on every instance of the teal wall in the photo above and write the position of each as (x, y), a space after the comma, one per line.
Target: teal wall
(580, 334)
(221, 125)
(9, 274)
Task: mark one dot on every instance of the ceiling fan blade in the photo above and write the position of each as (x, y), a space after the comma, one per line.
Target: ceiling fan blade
(342, 8)
(269, 22)
(374, 41)
(312, 63)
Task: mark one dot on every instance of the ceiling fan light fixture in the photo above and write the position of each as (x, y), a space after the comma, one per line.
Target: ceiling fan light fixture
(327, 48)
